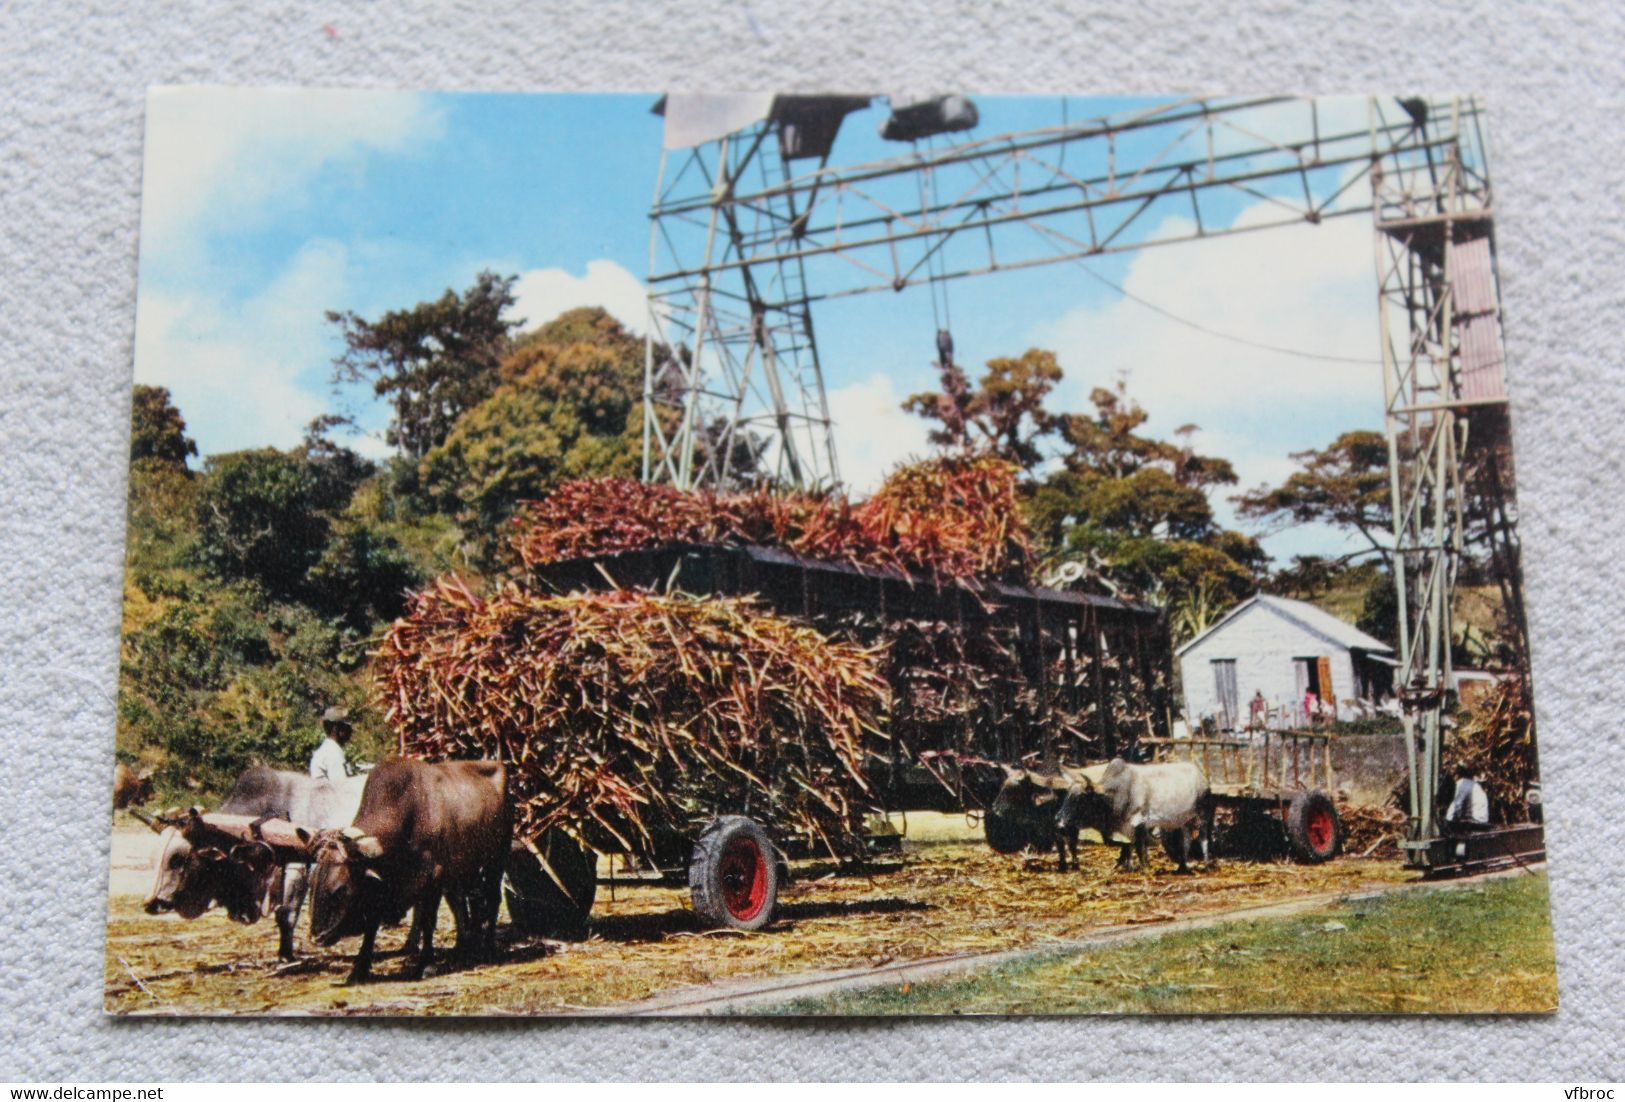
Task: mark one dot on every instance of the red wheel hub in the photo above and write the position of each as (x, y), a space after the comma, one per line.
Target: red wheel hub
(1321, 830)
(744, 879)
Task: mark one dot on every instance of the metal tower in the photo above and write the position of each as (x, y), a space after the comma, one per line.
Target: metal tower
(1444, 386)
(733, 388)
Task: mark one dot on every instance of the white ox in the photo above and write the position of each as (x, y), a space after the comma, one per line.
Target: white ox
(1129, 801)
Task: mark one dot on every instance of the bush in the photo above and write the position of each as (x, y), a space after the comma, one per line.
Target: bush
(256, 519)
(361, 578)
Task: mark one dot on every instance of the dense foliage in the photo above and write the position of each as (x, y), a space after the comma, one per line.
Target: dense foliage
(1133, 510)
(252, 588)
(256, 585)
(568, 406)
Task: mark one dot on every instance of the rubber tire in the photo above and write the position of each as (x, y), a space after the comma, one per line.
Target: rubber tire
(1305, 808)
(536, 906)
(705, 874)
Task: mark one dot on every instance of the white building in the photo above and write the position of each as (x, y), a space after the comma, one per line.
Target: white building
(1283, 649)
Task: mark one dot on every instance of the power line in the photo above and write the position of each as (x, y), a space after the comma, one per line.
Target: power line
(1219, 334)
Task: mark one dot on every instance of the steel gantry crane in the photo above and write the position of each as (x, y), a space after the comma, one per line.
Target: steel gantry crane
(752, 224)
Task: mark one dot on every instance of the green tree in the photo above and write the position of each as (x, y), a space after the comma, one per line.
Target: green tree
(157, 430)
(362, 577)
(1004, 414)
(1307, 577)
(569, 406)
(266, 515)
(1138, 509)
(1344, 484)
(432, 362)
(255, 519)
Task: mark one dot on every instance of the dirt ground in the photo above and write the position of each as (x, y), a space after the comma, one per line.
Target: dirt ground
(946, 893)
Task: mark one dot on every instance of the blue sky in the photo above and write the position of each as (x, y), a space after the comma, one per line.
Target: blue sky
(263, 208)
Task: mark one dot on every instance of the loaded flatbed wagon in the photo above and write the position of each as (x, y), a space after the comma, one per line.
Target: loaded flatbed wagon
(1069, 677)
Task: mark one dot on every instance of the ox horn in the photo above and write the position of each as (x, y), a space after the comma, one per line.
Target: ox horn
(353, 832)
(369, 847)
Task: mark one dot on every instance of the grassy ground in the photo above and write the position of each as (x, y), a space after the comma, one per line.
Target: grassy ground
(940, 897)
(1484, 948)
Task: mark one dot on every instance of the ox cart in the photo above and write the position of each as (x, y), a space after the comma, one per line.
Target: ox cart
(985, 675)
(1272, 791)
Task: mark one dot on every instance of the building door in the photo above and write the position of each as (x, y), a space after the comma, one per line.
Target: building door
(1314, 675)
(1224, 686)
(1324, 680)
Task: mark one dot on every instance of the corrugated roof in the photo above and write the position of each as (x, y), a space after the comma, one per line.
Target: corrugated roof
(1314, 619)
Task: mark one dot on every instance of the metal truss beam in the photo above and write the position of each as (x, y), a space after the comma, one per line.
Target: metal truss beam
(734, 230)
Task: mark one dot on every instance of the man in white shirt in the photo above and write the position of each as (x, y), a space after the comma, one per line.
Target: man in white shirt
(327, 763)
(1470, 810)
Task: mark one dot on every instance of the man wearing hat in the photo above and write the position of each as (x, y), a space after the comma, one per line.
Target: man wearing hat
(327, 763)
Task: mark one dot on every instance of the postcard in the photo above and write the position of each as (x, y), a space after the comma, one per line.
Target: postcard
(822, 555)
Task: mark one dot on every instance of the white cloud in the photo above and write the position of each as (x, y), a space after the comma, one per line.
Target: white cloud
(542, 294)
(872, 433)
(233, 369)
(1311, 288)
(215, 156)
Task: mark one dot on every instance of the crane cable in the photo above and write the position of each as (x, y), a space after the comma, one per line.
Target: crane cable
(936, 266)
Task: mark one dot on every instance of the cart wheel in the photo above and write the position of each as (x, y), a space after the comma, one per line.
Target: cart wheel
(536, 905)
(1313, 832)
(1005, 833)
(733, 876)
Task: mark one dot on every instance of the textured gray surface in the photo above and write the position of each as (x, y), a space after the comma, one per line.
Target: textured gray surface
(70, 145)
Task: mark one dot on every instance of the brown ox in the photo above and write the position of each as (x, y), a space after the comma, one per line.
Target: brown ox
(425, 830)
(199, 867)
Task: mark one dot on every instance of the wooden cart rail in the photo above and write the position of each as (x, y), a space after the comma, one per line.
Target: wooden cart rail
(1271, 761)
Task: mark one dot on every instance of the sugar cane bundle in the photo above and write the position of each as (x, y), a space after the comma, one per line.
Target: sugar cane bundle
(1370, 831)
(601, 516)
(1495, 740)
(957, 516)
(624, 716)
(953, 518)
(949, 681)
